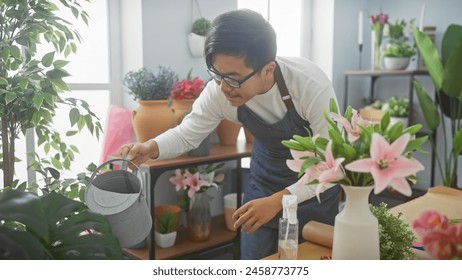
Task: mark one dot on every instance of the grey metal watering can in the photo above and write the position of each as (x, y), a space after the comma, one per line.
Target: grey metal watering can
(118, 195)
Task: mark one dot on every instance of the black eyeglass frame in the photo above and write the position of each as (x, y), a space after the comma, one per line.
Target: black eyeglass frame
(230, 81)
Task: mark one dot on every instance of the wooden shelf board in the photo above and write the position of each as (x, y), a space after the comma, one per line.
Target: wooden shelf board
(183, 245)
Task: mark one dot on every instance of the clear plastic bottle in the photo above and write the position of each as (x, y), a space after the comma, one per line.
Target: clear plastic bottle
(288, 229)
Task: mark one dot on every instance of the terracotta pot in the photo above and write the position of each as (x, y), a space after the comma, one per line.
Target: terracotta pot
(180, 108)
(227, 132)
(152, 118)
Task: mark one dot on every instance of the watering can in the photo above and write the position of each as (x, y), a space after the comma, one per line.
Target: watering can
(118, 195)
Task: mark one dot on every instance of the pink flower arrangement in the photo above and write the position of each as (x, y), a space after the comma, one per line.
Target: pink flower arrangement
(197, 179)
(357, 153)
(377, 24)
(187, 89)
(441, 237)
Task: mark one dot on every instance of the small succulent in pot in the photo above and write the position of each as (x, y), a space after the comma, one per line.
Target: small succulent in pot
(166, 222)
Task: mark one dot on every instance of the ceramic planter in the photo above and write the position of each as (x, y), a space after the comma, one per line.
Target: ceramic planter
(165, 240)
(196, 44)
(396, 63)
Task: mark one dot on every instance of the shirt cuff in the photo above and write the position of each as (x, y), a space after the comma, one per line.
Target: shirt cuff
(302, 191)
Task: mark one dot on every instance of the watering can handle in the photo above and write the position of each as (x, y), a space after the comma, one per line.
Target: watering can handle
(124, 166)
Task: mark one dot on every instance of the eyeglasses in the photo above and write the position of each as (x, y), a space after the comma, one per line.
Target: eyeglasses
(230, 81)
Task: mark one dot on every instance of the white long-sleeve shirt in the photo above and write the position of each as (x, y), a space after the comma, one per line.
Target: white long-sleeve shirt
(308, 86)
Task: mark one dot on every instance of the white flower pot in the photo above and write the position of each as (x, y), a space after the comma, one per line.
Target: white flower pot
(396, 63)
(165, 240)
(196, 44)
(404, 120)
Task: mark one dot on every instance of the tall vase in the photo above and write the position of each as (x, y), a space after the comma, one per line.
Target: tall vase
(152, 118)
(356, 229)
(376, 55)
(199, 218)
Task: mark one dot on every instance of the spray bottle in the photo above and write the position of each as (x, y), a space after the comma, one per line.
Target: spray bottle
(288, 229)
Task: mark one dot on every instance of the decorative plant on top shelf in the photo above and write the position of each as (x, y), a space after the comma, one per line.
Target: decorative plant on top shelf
(189, 88)
(31, 87)
(445, 74)
(144, 84)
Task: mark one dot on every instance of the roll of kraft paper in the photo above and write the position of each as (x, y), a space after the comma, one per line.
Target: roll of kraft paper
(319, 233)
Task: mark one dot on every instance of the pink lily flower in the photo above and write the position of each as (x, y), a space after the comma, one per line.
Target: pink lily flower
(295, 165)
(331, 170)
(194, 182)
(177, 180)
(354, 128)
(387, 165)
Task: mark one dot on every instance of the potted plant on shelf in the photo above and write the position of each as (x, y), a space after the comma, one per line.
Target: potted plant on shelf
(398, 56)
(184, 93)
(398, 108)
(397, 50)
(196, 37)
(152, 90)
(165, 233)
(445, 73)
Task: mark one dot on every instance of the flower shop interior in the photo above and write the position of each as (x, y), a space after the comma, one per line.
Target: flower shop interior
(124, 42)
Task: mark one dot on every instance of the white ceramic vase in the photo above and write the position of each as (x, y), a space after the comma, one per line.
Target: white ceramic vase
(356, 229)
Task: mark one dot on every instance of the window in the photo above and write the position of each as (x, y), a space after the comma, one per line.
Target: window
(285, 17)
(90, 81)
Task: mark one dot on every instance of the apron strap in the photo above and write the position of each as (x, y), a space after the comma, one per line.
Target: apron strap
(286, 98)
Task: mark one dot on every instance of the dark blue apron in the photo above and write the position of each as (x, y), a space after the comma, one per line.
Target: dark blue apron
(269, 174)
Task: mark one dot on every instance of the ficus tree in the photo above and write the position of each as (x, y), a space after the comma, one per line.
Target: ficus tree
(32, 85)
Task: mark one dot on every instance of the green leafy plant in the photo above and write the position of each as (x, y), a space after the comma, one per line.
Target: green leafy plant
(397, 107)
(445, 74)
(166, 222)
(32, 87)
(52, 226)
(144, 84)
(201, 26)
(399, 50)
(395, 234)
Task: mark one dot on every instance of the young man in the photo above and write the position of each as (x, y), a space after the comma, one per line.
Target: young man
(274, 98)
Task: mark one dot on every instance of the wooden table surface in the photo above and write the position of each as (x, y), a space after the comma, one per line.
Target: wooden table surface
(443, 199)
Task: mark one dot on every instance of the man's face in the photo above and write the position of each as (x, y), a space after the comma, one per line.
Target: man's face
(235, 68)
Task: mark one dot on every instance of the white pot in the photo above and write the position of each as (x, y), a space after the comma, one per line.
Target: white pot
(196, 44)
(404, 120)
(165, 240)
(396, 63)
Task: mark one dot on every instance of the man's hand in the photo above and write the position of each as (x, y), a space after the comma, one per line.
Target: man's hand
(139, 153)
(257, 212)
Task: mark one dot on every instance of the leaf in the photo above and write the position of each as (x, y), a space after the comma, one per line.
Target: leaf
(450, 38)
(415, 144)
(47, 59)
(74, 116)
(9, 97)
(452, 82)
(457, 142)
(429, 110)
(413, 129)
(293, 145)
(3, 81)
(56, 163)
(430, 56)
(25, 208)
